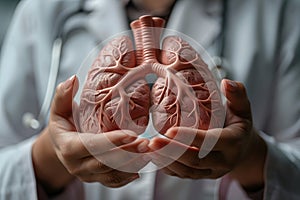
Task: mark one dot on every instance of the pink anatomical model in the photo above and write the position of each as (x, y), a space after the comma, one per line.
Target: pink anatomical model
(116, 94)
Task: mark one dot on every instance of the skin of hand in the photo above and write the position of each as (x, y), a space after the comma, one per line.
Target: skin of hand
(239, 151)
(60, 153)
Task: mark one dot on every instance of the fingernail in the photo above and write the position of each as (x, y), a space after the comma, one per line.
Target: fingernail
(231, 85)
(68, 83)
(170, 133)
(128, 139)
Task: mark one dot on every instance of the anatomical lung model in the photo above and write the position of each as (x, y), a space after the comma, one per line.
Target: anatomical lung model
(116, 94)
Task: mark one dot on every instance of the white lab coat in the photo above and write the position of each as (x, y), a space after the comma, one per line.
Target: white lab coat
(262, 46)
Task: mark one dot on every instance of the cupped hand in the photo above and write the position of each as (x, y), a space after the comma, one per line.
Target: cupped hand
(60, 153)
(238, 150)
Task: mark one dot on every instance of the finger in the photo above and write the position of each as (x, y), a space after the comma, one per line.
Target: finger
(159, 160)
(170, 148)
(213, 160)
(140, 145)
(167, 147)
(184, 171)
(92, 165)
(175, 168)
(206, 141)
(236, 95)
(95, 166)
(187, 155)
(63, 98)
(169, 172)
(112, 179)
(86, 166)
(185, 135)
(195, 137)
(73, 146)
(136, 164)
(100, 143)
(118, 156)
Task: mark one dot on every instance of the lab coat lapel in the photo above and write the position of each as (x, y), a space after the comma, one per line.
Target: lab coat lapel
(108, 19)
(189, 17)
(186, 18)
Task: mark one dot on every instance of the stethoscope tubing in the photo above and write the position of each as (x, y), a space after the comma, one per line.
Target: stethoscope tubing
(30, 120)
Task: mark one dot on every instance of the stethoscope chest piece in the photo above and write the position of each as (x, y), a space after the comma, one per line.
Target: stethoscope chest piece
(30, 121)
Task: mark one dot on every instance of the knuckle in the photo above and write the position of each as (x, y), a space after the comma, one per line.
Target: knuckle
(74, 171)
(66, 148)
(65, 152)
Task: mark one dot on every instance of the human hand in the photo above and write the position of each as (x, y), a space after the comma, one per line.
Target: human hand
(238, 150)
(60, 153)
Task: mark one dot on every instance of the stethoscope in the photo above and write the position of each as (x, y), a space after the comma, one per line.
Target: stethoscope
(36, 122)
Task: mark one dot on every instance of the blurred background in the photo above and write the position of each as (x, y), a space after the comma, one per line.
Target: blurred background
(7, 8)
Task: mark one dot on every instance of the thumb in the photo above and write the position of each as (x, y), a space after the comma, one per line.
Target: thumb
(237, 99)
(63, 98)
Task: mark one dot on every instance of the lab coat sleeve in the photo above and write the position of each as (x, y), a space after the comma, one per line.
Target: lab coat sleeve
(281, 130)
(16, 172)
(19, 94)
(18, 179)
(282, 171)
(283, 160)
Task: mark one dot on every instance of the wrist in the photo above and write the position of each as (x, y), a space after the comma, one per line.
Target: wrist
(250, 171)
(49, 171)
